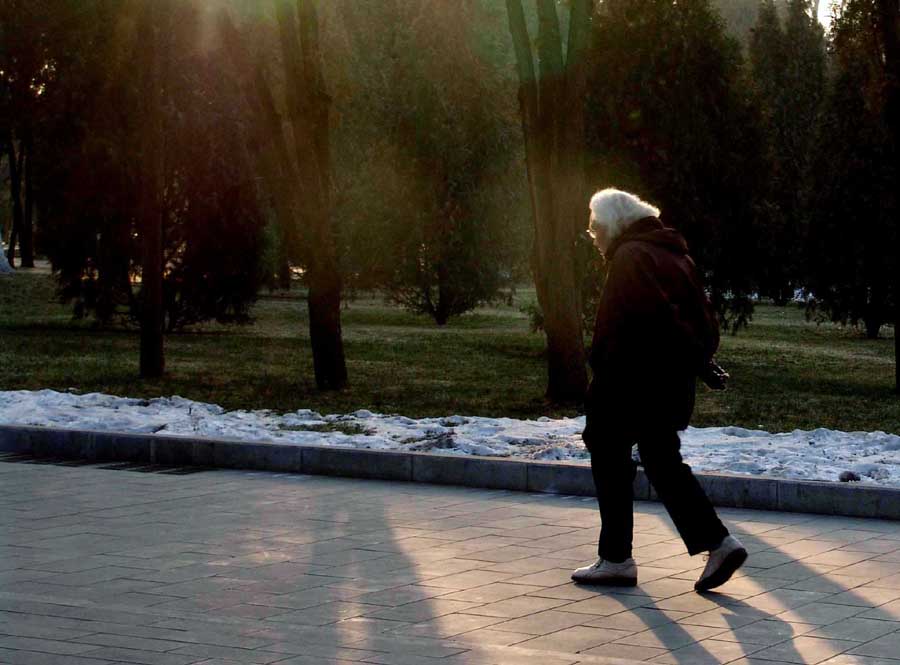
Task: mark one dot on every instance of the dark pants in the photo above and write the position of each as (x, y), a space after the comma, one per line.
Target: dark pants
(687, 503)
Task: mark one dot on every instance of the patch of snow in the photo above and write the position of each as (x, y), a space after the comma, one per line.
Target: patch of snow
(5, 268)
(820, 454)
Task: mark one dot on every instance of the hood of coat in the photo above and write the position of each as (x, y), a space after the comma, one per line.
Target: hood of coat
(651, 230)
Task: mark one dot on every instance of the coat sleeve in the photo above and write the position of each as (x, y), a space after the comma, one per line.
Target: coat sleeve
(705, 328)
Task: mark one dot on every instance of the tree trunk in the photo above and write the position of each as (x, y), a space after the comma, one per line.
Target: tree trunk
(325, 331)
(873, 327)
(889, 15)
(783, 295)
(442, 311)
(552, 109)
(152, 362)
(284, 271)
(13, 240)
(15, 195)
(309, 108)
(5, 268)
(301, 193)
(26, 238)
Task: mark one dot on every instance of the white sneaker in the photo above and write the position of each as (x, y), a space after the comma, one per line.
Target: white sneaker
(722, 564)
(608, 573)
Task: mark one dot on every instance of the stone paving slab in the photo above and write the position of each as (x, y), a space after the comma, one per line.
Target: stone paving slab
(223, 567)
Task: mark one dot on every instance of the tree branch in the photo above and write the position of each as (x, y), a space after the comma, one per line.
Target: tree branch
(518, 28)
(267, 143)
(549, 44)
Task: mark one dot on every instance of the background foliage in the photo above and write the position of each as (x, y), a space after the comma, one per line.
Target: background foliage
(763, 138)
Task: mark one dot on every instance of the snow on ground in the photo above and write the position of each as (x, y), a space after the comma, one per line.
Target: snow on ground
(820, 454)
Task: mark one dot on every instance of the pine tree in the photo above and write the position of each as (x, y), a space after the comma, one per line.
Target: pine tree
(427, 155)
(889, 27)
(91, 195)
(671, 120)
(788, 68)
(850, 265)
(740, 16)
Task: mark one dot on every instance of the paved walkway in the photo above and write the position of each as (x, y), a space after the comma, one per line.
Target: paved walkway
(225, 567)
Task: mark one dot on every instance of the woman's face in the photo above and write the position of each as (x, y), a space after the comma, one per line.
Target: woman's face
(599, 234)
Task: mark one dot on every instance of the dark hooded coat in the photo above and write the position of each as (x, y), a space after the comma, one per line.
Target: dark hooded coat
(655, 333)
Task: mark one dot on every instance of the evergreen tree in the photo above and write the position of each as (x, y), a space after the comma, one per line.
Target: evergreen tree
(850, 263)
(670, 119)
(889, 30)
(24, 48)
(788, 68)
(740, 16)
(767, 51)
(429, 154)
(91, 186)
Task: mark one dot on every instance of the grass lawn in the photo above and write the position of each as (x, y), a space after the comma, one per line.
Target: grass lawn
(787, 373)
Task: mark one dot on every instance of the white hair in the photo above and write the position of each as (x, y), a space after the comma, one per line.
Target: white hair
(614, 210)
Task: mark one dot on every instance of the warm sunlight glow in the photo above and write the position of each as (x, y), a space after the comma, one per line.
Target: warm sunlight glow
(825, 14)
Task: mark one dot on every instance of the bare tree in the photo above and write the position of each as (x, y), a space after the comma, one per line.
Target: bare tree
(552, 105)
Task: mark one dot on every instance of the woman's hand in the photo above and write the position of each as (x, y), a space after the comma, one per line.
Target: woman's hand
(714, 376)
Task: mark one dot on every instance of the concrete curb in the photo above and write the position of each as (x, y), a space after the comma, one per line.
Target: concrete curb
(486, 472)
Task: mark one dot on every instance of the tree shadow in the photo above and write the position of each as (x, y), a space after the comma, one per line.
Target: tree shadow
(351, 588)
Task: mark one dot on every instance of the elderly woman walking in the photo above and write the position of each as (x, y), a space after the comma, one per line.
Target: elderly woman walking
(655, 335)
